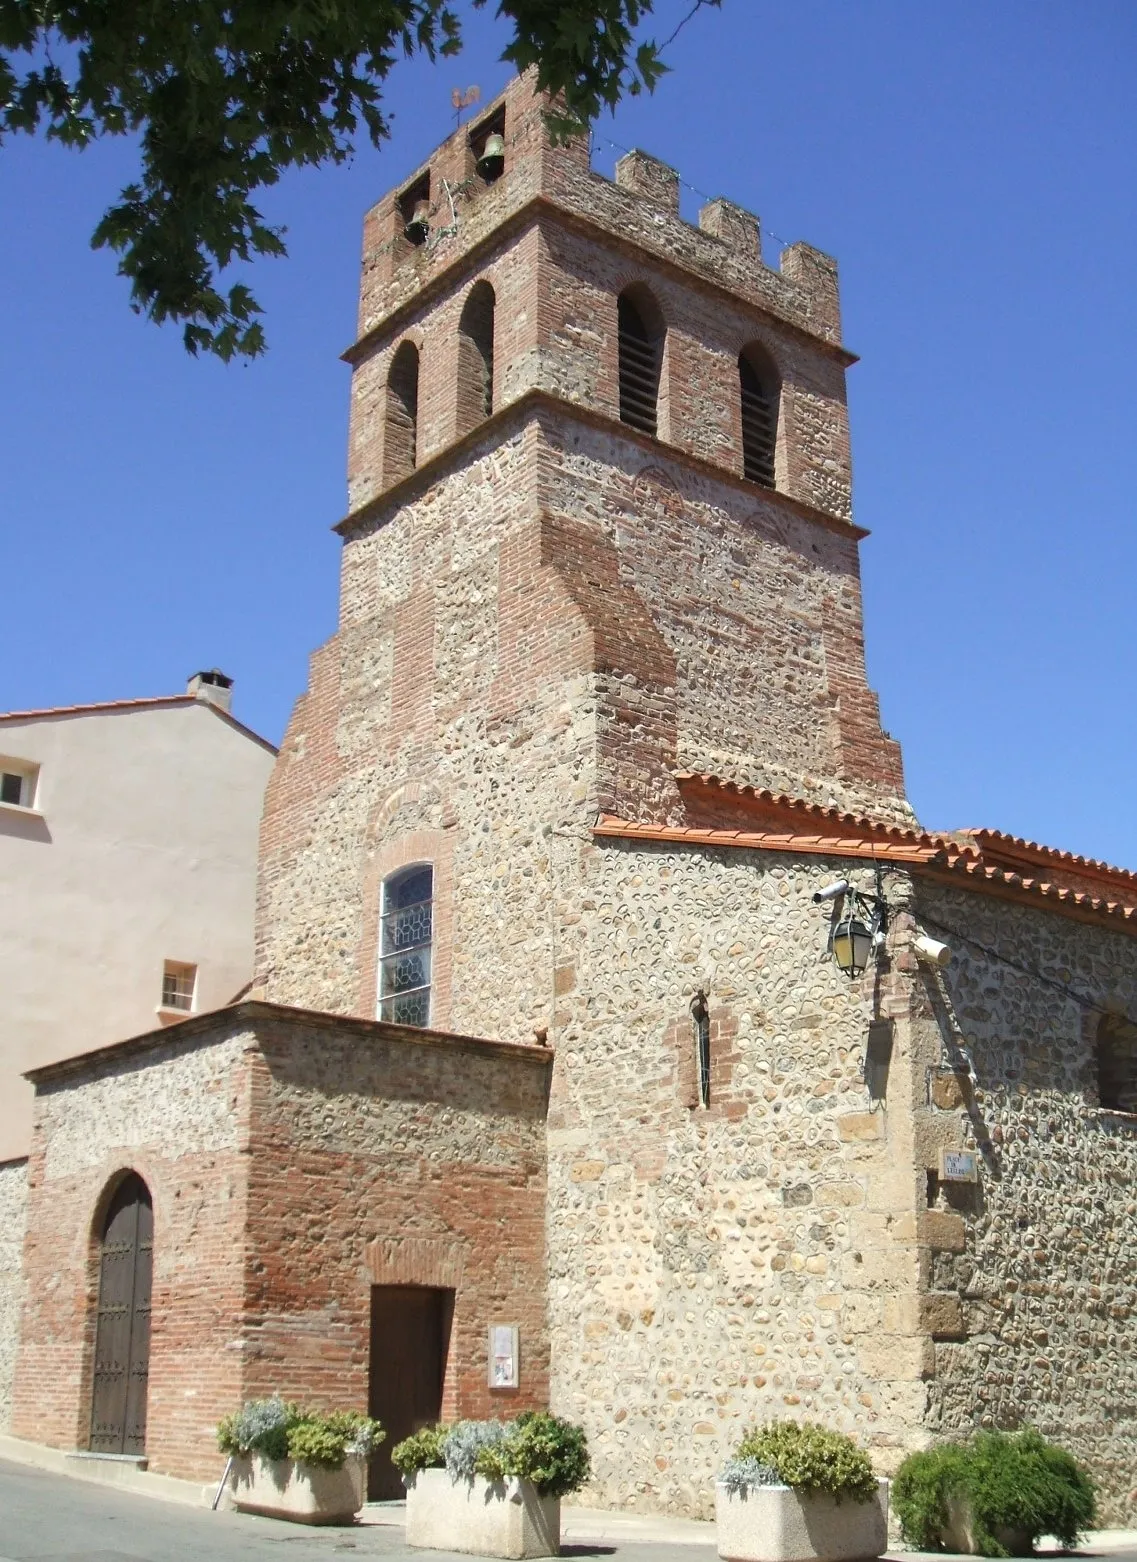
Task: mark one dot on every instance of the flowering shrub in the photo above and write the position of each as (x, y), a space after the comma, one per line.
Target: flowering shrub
(738, 1475)
(463, 1444)
(277, 1430)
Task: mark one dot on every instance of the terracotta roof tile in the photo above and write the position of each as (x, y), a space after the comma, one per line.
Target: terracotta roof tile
(150, 702)
(1001, 864)
(82, 710)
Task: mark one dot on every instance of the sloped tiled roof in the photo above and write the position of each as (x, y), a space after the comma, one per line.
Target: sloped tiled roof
(99, 705)
(149, 702)
(747, 817)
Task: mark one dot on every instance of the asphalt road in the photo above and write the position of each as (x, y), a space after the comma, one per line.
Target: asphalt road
(50, 1518)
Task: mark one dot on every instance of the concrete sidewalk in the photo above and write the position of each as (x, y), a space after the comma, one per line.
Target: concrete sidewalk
(582, 1528)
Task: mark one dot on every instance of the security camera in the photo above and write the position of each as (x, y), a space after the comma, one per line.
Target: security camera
(931, 951)
(831, 891)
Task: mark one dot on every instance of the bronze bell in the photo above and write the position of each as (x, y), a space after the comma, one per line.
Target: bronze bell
(417, 225)
(491, 164)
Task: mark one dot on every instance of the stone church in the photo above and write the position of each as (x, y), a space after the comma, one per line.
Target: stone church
(558, 1083)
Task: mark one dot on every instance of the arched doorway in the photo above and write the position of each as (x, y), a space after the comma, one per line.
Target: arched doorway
(122, 1333)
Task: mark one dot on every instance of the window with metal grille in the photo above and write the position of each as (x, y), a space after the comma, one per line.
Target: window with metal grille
(401, 436)
(1117, 1064)
(406, 926)
(475, 357)
(178, 983)
(641, 353)
(758, 387)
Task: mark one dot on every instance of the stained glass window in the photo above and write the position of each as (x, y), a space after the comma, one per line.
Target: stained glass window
(405, 931)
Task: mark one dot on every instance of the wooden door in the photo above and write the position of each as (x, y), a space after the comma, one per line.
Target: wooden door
(410, 1339)
(122, 1334)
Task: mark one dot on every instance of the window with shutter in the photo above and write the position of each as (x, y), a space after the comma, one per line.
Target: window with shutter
(641, 353)
(758, 388)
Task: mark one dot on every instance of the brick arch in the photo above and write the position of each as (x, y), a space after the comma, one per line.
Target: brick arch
(410, 1260)
(113, 1176)
(652, 487)
(422, 792)
(634, 277)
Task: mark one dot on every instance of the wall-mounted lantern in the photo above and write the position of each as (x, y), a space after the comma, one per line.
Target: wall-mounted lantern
(859, 930)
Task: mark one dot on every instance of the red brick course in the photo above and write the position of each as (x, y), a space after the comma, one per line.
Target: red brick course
(358, 1155)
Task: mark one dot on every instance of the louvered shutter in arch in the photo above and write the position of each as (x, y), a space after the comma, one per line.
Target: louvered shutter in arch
(641, 352)
(758, 389)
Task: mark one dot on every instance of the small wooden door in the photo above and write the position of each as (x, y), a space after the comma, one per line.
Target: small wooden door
(410, 1339)
(122, 1334)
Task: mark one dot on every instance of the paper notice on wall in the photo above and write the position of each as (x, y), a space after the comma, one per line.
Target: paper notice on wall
(959, 1166)
(503, 1356)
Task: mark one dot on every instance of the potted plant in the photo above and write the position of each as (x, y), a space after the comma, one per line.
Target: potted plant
(292, 1463)
(492, 1488)
(993, 1495)
(795, 1492)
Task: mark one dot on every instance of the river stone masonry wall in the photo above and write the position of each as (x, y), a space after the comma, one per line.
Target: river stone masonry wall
(1045, 1275)
(294, 1161)
(177, 1121)
(13, 1218)
(712, 1267)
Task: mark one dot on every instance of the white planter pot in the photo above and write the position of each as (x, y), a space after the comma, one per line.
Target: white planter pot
(959, 1534)
(304, 1493)
(484, 1518)
(777, 1524)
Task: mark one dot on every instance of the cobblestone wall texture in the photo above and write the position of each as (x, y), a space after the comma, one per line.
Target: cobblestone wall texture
(13, 1216)
(715, 1266)
(552, 627)
(292, 1165)
(381, 1158)
(1048, 1276)
(174, 1115)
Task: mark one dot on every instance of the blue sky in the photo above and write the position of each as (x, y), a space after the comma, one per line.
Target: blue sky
(973, 166)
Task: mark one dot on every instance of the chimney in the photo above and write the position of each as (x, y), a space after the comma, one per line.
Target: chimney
(213, 687)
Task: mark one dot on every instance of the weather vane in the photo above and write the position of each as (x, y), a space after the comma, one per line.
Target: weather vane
(463, 100)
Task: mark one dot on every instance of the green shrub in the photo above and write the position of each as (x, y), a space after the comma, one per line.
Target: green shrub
(542, 1448)
(327, 1440)
(537, 1447)
(277, 1430)
(812, 1459)
(1012, 1482)
(421, 1451)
